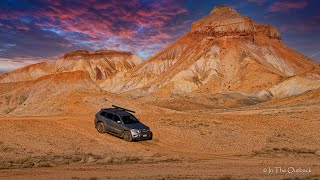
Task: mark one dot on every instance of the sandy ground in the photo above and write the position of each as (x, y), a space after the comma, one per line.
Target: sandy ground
(192, 145)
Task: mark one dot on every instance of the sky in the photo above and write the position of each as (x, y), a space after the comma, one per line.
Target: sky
(41, 30)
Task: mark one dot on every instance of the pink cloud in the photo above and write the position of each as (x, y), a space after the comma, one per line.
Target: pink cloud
(301, 26)
(25, 28)
(115, 46)
(5, 15)
(310, 24)
(284, 6)
(259, 2)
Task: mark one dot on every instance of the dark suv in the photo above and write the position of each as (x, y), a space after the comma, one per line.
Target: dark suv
(120, 122)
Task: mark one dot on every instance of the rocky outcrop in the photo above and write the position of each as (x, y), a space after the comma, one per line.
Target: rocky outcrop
(296, 85)
(99, 65)
(27, 73)
(226, 21)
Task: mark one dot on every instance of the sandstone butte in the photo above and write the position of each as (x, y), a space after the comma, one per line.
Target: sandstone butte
(224, 52)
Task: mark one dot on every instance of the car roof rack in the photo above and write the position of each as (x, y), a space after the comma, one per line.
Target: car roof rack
(117, 107)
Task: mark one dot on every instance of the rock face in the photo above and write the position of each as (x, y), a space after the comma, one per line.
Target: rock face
(296, 85)
(226, 21)
(47, 94)
(225, 52)
(99, 65)
(26, 73)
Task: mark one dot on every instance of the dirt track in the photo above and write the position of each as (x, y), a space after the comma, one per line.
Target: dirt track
(184, 145)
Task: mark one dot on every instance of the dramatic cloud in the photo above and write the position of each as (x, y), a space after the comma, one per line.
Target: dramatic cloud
(284, 6)
(125, 25)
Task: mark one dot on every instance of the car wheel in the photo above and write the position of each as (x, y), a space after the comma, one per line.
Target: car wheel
(101, 128)
(150, 138)
(127, 136)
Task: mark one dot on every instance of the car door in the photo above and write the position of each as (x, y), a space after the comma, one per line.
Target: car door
(113, 126)
(102, 116)
(109, 122)
(117, 126)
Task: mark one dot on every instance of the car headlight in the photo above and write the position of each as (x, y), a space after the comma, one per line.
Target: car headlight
(135, 131)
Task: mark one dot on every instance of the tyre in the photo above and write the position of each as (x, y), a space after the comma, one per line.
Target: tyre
(101, 128)
(127, 136)
(150, 138)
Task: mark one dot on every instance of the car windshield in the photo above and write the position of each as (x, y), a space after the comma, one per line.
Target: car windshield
(129, 119)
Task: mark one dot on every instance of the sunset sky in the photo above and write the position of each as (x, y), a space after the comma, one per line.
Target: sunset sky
(37, 30)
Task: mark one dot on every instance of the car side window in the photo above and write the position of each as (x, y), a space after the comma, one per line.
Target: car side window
(116, 118)
(110, 116)
(103, 114)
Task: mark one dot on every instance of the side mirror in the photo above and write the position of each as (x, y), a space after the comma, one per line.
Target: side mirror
(119, 122)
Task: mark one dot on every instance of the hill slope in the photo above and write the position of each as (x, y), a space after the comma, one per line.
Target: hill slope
(98, 65)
